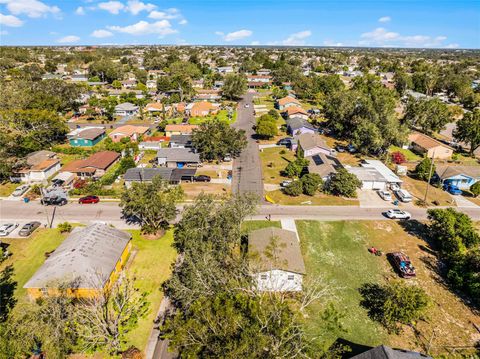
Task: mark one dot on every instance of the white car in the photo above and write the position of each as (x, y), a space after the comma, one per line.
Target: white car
(20, 190)
(247, 105)
(397, 214)
(395, 187)
(7, 228)
(285, 183)
(385, 195)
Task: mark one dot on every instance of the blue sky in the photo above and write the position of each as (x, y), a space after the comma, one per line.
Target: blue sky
(402, 23)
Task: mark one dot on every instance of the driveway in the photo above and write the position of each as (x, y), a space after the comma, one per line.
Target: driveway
(247, 168)
(463, 202)
(370, 199)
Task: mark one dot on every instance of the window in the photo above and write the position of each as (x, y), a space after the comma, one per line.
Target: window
(44, 291)
(291, 277)
(263, 277)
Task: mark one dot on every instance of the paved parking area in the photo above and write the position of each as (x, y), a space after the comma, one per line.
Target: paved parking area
(370, 199)
(14, 233)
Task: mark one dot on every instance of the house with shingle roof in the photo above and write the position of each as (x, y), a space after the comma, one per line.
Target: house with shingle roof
(87, 262)
(428, 146)
(126, 109)
(39, 166)
(276, 260)
(177, 157)
(146, 175)
(86, 136)
(296, 112)
(94, 166)
(296, 126)
(130, 131)
(171, 130)
(286, 102)
(461, 176)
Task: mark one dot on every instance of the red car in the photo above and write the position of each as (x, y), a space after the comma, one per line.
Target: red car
(89, 199)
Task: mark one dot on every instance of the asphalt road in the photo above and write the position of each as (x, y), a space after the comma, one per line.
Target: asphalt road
(247, 168)
(110, 212)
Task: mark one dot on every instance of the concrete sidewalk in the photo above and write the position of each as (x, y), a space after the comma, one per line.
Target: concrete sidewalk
(289, 225)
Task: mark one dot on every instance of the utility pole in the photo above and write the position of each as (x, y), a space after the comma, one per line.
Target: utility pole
(429, 177)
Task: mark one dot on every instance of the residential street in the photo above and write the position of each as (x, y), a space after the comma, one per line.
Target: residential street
(110, 212)
(247, 169)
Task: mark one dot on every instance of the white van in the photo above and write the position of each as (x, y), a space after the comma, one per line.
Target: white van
(404, 195)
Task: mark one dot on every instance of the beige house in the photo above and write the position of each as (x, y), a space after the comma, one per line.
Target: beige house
(426, 145)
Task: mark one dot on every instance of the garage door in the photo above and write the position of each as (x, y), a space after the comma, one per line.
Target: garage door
(378, 185)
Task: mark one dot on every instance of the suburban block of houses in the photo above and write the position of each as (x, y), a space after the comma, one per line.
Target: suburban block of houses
(87, 262)
(276, 260)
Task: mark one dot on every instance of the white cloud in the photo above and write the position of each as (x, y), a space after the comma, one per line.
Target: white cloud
(332, 43)
(70, 39)
(101, 33)
(162, 28)
(385, 19)
(31, 8)
(235, 35)
(168, 14)
(80, 10)
(113, 7)
(135, 7)
(10, 20)
(297, 39)
(183, 22)
(382, 37)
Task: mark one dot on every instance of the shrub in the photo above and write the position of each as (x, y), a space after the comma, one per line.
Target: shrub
(64, 227)
(394, 303)
(343, 183)
(294, 189)
(311, 183)
(295, 168)
(398, 158)
(475, 189)
(423, 169)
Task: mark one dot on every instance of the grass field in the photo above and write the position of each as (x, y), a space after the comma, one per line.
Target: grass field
(338, 253)
(7, 188)
(417, 189)
(28, 254)
(151, 266)
(273, 162)
(249, 226)
(319, 199)
(222, 116)
(409, 155)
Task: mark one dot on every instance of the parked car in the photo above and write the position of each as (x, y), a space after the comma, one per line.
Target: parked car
(227, 158)
(402, 264)
(452, 189)
(287, 141)
(340, 149)
(394, 187)
(404, 196)
(351, 148)
(397, 214)
(54, 201)
(247, 105)
(385, 195)
(202, 178)
(20, 190)
(7, 228)
(28, 229)
(89, 199)
(285, 183)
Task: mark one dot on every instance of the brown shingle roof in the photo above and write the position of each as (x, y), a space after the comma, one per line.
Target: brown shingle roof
(180, 128)
(425, 141)
(295, 109)
(90, 133)
(287, 255)
(287, 99)
(100, 160)
(129, 130)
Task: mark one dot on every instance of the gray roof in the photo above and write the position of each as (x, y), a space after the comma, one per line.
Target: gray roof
(37, 157)
(296, 123)
(86, 257)
(311, 140)
(181, 139)
(367, 174)
(178, 155)
(446, 171)
(384, 352)
(323, 165)
(288, 256)
(126, 106)
(168, 174)
(89, 133)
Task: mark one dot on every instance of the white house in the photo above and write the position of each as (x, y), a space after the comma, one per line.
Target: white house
(126, 109)
(40, 166)
(275, 259)
(312, 144)
(374, 175)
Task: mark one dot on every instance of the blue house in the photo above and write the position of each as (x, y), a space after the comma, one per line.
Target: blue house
(86, 137)
(461, 176)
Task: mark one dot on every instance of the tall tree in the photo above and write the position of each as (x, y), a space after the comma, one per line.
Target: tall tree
(468, 130)
(429, 115)
(153, 204)
(235, 85)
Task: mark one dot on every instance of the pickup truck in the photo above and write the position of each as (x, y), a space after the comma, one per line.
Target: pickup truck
(402, 264)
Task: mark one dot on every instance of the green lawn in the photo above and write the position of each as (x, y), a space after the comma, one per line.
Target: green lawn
(151, 266)
(222, 116)
(337, 252)
(249, 226)
(273, 162)
(409, 155)
(319, 199)
(7, 188)
(28, 254)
